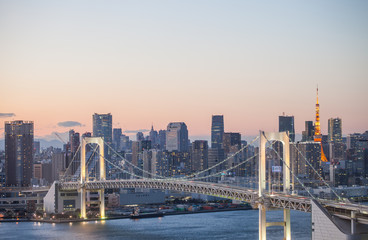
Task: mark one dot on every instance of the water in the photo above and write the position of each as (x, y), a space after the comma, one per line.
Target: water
(218, 225)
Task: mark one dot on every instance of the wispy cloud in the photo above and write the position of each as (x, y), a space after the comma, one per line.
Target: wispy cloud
(7, 115)
(135, 131)
(70, 124)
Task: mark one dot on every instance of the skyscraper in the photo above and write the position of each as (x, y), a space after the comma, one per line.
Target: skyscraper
(336, 146)
(116, 136)
(18, 152)
(177, 137)
(153, 137)
(102, 127)
(308, 133)
(74, 141)
(162, 139)
(231, 142)
(334, 130)
(199, 155)
(217, 131)
(286, 123)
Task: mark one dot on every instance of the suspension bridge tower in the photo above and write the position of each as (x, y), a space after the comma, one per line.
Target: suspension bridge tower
(84, 175)
(263, 224)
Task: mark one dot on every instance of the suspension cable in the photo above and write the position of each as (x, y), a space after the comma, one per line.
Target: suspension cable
(338, 196)
(278, 155)
(219, 163)
(67, 169)
(186, 177)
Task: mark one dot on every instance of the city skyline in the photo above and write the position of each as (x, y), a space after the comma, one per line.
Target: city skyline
(247, 61)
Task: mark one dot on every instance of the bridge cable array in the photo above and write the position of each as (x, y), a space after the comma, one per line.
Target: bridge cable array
(278, 155)
(186, 177)
(321, 178)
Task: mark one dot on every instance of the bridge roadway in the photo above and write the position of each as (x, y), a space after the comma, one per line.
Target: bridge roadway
(278, 200)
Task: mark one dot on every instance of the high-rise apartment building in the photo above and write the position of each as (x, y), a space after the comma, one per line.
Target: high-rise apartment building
(217, 131)
(177, 137)
(286, 123)
(18, 152)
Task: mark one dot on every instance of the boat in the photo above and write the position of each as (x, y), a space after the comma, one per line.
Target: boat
(136, 214)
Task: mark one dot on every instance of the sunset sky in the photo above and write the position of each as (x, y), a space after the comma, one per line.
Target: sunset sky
(155, 62)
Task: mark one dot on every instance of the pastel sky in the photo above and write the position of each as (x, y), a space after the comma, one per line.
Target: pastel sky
(155, 62)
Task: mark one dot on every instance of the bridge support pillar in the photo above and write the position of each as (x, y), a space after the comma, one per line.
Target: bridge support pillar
(262, 222)
(287, 226)
(101, 194)
(284, 139)
(84, 176)
(353, 222)
(83, 203)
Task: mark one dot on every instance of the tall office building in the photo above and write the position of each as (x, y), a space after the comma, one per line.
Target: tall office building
(286, 123)
(177, 137)
(336, 147)
(231, 142)
(18, 153)
(217, 131)
(308, 133)
(102, 127)
(334, 130)
(199, 155)
(116, 138)
(153, 137)
(162, 139)
(74, 141)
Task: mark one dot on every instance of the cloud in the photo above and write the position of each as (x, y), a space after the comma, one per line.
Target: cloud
(70, 124)
(135, 131)
(7, 115)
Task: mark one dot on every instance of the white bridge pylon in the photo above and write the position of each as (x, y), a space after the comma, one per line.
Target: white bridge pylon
(100, 142)
(284, 139)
